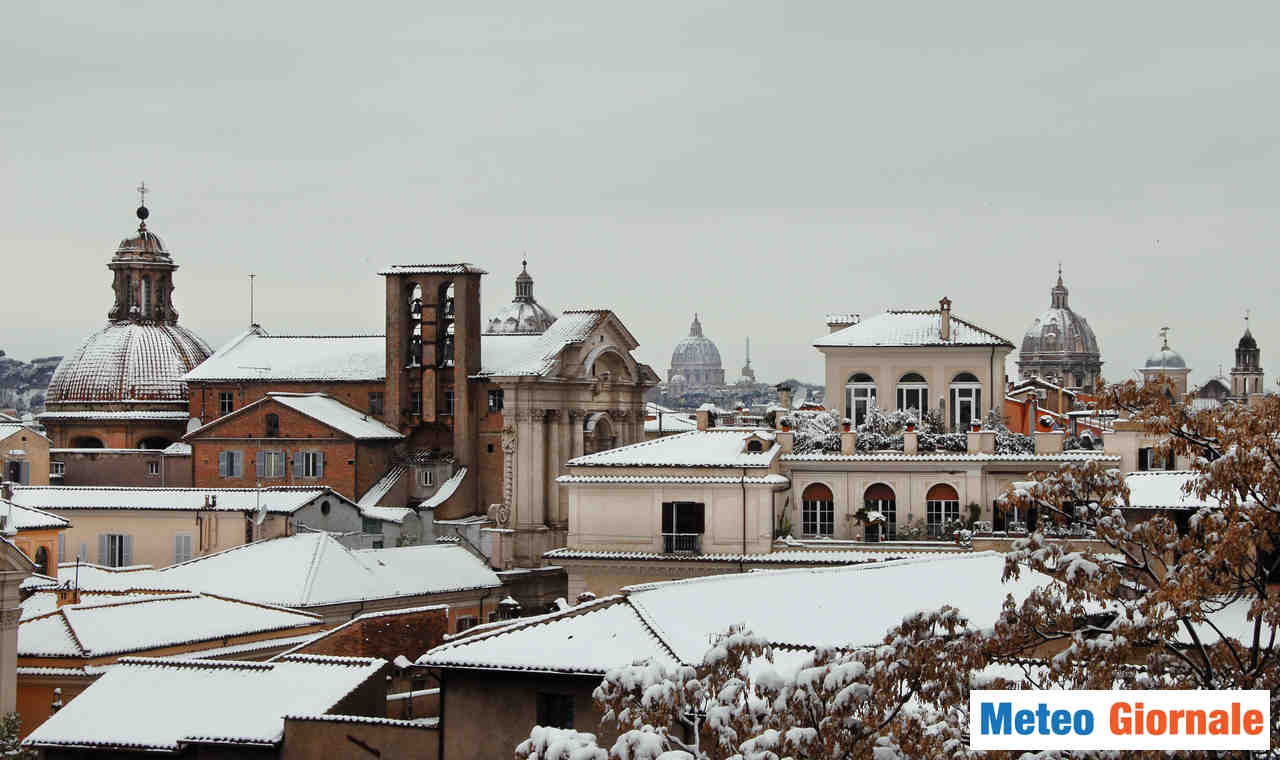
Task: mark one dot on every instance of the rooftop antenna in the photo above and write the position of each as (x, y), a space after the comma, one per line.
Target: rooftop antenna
(1164, 336)
(142, 206)
(251, 322)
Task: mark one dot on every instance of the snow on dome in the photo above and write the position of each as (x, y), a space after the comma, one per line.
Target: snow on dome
(524, 315)
(127, 361)
(1166, 358)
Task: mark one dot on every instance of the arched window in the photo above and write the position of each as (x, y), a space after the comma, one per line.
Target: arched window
(86, 442)
(146, 297)
(415, 326)
(42, 560)
(913, 393)
(859, 397)
(755, 446)
(817, 513)
(154, 442)
(880, 498)
(966, 400)
(942, 507)
(272, 426)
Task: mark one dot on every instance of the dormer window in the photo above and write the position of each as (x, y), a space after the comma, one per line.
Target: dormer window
(755, 445)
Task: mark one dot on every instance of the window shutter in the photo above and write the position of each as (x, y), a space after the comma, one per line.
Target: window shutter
(24, 472)
(297, 464)
(237, 463)
(319, 464)
(177, 548)
(698, 514)
(62, 549)
(260, 465)
(128, 550)
(83, 556)
(222, 464)
(102, 548)
(668, 518)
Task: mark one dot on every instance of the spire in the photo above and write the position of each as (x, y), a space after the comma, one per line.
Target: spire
(695, 329)
(524, 283)
(1164, 337)
(143, 213)
(748, 350)
(1059, 292)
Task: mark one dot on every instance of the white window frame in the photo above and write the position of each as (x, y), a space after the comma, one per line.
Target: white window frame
(226, 402)
(817, 517)
(859, 400)
(965, 391)
(917, 391)
(269, 458)
(57, 468)
(183, 547)
(940, 512)
(428, 477)
(153, 469)
(310, 465)
(117, 550)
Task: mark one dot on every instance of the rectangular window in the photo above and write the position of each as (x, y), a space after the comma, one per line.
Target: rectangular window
(682, 527)
(62, 547)
(465, 622)
(428, 477)
(115, 549)
(555, 710)
(231, 464)
(226, 402)
(375, 403)
(915, 397)
(270, 464)
(308, 464)
(182, 547)
(57, 469)
(446, 405)
(939, 514)
(1144, 460)
(153, 469)
(415, 402)
(495, 400)
(372, 527)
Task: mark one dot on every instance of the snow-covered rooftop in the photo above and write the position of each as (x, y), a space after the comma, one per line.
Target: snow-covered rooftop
(718, 447)
(383, 487)
(772, 479)
(459, 268)
(669, 422)
(804, 607)
(256, 355)
(445, 490)
(504, 355)
(1162, 489)
(910, 328)
(276, 500)
(139, 415)
(150, 704)
(9, 428)
(101, 627)
(1080, 455)
(314, 569)
(18, 517)
(322, 408)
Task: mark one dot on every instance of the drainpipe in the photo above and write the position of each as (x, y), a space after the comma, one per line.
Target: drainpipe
(743, 483)
(440, 727)
(991, 380)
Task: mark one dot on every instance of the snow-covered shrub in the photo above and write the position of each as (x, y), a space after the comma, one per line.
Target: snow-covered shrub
(816, 432)
(945, 442)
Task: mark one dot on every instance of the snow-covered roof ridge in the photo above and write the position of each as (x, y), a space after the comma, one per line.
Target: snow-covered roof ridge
(275, 499)
(445, 490)
(814, 557)
(223, 702)
(772, 479)
(255, 355)
(910, 327)
(18, 517)
(320, 407)
(534, 355)
(716, 447)
(461, 267)
(898, 456)
(384, 485)
(138, 624)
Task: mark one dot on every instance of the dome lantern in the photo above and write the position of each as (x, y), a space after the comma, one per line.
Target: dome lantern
(524, 315)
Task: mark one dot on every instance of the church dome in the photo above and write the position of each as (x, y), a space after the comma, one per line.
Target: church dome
(524, 315)
(1247, 342)
(127, 361)
(1060, 345)
(696, 350)
(1165, 358)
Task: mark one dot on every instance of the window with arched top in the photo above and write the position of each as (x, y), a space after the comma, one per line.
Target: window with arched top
(755, 446)
(42, 560)
(880, 498)
(859, 397)
(272, 426)
(146, 296)
(942, 507)
(913, 393)
(817, 511)
(86, 442)
(966, 400)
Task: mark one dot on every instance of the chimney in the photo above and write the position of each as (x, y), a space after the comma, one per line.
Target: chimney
(6, 490)
(837, 322)
(68, 595)
(944, 307)
(705, 418)
(784, 396)
(786, 441)
(1033, 413)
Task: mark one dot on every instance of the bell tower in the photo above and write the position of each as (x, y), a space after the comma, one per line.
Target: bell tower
(143, 275)
(433, 354)
(1246, 376)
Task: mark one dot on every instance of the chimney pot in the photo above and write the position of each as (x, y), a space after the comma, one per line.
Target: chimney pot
(944, 309)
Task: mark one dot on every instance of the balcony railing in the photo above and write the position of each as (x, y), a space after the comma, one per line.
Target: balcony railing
(682, 543)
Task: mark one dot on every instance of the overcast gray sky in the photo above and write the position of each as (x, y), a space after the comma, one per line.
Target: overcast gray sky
(762, 163)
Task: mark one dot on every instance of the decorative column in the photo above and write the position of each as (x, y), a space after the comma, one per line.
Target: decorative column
(577, 418)
(552, 462)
